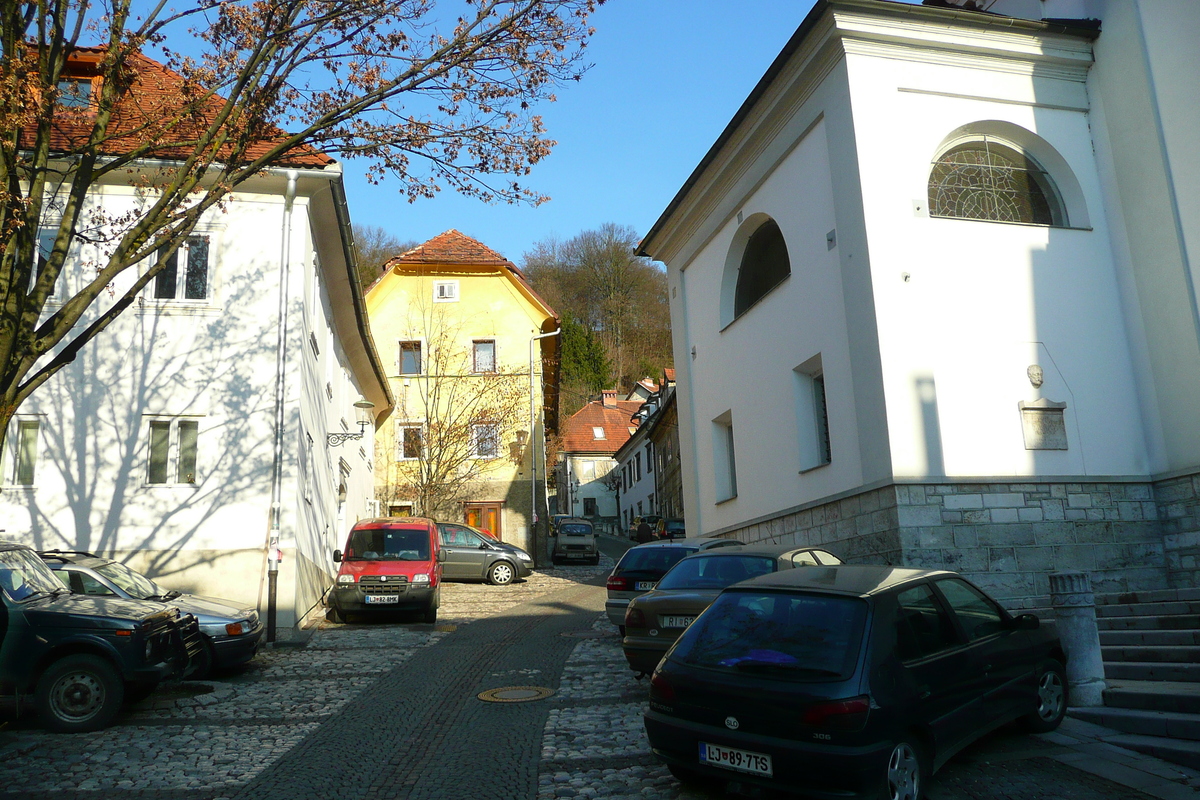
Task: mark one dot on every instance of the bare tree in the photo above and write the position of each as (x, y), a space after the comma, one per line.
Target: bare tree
(373, 246)
(451, 432)
(429, 102)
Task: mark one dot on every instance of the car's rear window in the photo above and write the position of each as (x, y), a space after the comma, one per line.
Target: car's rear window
(575, 529)
(651, 560)
(803, 637)
(715, 572)
(388, 544)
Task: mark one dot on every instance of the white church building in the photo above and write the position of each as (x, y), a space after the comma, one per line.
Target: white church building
(954, 253)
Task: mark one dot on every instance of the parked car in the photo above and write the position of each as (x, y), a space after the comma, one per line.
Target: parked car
(575, 542)
(232, 631)
(471, 555)
(671, 529)
(654, 620)
(81, 657)
(389, 564)
(641, 567)
(848, 681)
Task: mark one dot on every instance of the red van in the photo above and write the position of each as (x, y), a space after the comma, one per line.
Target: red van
(390, 564)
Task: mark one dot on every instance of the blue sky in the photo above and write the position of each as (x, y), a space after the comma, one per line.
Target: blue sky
(668, 77)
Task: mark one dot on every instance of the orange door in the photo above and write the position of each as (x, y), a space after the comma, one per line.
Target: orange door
(485, 516)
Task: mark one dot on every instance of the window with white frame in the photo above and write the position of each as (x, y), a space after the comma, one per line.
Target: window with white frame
(483, 355)
(598, 432)
(649, 457)
(724, 458)
(445, 291)
(45, 244)
(410, 442)
(410, 358)
(185, 277)
(172, 451)
(485, 440)
(812, 415)
(637, 467)
(19, 461)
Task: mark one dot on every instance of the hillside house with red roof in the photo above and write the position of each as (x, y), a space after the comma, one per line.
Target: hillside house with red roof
(590, 440)
(472, 358)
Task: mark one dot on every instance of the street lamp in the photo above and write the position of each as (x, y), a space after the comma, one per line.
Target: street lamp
(362, 411)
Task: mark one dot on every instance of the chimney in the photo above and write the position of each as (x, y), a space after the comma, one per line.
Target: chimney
(608, 398)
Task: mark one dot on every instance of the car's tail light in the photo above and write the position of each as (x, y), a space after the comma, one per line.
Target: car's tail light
(844, 715)
(618, 584)
(634, 618)
(661, 691)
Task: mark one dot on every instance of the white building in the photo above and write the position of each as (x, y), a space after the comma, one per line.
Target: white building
(156, 445)
(589, 439)
(950, 252)
(635, 461)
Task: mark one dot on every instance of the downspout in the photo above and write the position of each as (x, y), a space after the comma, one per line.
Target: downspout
(274, 555)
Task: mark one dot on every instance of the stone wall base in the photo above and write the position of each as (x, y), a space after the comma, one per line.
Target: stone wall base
(1009, 536)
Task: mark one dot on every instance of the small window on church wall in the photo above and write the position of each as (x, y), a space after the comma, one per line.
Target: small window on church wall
(764, 266)
(986, 180)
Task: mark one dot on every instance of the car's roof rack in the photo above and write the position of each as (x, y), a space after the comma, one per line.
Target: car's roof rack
(60, 553)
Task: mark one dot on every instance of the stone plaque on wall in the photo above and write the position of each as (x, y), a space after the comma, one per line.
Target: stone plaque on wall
(1044, 425)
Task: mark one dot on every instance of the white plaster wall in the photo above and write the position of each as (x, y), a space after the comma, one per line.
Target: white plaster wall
(216, 361)
(746, 369)
(985, 300)
(640, 490)
(606, 501)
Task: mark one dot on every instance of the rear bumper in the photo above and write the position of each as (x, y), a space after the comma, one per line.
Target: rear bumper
(822, 771)
(643, 659)
(615, 609)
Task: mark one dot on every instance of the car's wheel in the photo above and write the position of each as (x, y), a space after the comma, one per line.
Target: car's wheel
(1051, 700)
(137, 691)
(206, 662)
(79, 693)
(621, 630)
(596, 561)
(501, 573)
(429, 615)
(905, 776)
(334, 614)
(688, 777)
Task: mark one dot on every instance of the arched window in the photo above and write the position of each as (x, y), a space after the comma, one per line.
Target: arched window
(764, 265)
(984, 179)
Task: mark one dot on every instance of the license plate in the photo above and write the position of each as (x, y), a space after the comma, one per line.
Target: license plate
(739, 760)
(578, 555)
(676, 622)
(644, 586)
(383, 598)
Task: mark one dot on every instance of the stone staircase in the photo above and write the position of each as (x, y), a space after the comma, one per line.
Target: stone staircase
(1151, 647)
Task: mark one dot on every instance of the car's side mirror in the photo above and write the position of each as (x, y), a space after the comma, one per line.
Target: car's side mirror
(1027, 622)
(337, 556)
(441, 555)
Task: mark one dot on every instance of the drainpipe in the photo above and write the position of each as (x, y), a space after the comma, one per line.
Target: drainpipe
(537, 549)
(274, 555)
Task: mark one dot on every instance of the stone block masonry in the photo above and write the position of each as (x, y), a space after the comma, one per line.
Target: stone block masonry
(1008, 536)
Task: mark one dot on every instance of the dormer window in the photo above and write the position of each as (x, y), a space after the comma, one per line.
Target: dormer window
(74, 93)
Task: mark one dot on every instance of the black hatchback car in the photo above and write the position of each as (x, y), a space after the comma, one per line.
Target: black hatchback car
(848, 681)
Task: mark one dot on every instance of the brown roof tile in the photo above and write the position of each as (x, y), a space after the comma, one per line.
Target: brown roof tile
(578, 435)
(453, 247)
(154, 95)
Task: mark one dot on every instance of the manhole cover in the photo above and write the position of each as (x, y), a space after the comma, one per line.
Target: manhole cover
(515, 694)
(585, 634)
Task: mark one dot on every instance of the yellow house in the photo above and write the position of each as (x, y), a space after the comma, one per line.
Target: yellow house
(472, 353)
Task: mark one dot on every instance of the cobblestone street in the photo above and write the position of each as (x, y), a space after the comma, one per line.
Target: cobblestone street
(390, 710)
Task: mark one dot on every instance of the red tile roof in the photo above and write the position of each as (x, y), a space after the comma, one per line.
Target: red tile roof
(578, 435)
(155, 94)
(453, 247)
(670, 373)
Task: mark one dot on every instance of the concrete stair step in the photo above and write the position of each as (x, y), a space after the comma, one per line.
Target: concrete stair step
(1170, 607)
(1171, 724)
(1153, 596)
(1168, 654)
(1175, 696)
(1149, 638)
(1148, 622)
(1152, 671)
(1178, 751)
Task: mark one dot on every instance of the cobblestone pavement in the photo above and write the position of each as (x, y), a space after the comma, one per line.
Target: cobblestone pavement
(388, 710)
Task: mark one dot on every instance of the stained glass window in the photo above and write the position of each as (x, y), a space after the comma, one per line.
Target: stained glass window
(986, 180)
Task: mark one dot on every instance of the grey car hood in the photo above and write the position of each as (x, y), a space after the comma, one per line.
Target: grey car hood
(210, 609)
